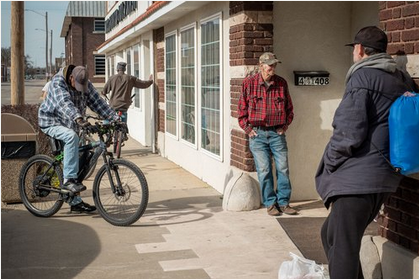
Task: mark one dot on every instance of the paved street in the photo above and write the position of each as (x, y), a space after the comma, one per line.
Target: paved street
(32, 91)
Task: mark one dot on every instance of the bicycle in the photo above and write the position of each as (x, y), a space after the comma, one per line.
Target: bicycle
(120, 190)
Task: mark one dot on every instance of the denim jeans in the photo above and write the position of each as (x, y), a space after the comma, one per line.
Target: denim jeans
(124, 117)
(262, 146)
(71, 148)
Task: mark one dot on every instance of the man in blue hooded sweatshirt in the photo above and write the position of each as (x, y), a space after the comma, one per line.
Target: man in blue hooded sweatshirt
(353, 178)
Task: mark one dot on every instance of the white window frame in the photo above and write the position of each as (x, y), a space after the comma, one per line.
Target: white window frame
(221, 82)
(185, 28)
(176, 135)
(137, 92)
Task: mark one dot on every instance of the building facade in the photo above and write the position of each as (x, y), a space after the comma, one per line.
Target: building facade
(200, 52)
(84, 30)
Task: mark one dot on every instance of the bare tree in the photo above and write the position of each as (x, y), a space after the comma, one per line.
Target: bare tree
(29, 70)
(6, 55)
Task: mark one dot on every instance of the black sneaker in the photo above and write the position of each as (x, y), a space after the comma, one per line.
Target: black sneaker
(82, 208)
(72, 186)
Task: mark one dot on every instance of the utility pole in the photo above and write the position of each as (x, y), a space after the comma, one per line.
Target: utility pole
(46, 39)
(46, 45)
(17, 84)
(50, 58)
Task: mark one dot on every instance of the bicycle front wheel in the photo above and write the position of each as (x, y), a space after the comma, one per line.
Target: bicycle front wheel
(127, 203)
(36, 178)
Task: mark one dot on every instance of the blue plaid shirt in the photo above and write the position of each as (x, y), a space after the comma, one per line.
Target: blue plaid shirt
(64, 104)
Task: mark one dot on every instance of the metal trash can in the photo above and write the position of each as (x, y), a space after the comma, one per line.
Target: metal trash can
(18, 144)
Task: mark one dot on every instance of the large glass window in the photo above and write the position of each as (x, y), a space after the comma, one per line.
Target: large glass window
(187, 68)
(210, 86)
(136, 55)
(170, 88)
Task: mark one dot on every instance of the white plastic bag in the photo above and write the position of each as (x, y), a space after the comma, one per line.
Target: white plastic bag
(301, 268)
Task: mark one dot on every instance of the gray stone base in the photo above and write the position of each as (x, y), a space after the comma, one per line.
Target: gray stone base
(370, 259)
(241, 193)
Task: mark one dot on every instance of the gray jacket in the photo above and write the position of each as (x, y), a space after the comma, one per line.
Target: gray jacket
(121, 86)
(351, 164)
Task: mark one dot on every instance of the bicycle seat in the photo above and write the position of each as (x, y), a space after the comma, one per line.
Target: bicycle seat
(56, 145)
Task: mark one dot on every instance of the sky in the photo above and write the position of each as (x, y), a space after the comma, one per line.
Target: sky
(35, 39)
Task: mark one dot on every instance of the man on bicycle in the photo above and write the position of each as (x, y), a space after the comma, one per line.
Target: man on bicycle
(61, 116)
(121, 86)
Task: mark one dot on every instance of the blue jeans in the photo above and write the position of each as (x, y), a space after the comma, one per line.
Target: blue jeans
(261, 146)
(71, 148)
(71, 154)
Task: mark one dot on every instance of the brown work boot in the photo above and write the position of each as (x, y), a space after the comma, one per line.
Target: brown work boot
(287, 209)
(273, 211)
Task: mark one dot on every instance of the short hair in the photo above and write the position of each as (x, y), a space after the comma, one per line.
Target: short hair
(371, 51)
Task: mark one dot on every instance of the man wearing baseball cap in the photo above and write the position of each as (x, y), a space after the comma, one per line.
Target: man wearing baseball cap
(353, 177)
(61, 115)
(121, 86)
(265, 112)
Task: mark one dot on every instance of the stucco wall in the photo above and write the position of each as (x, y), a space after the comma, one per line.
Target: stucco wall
(310, 36)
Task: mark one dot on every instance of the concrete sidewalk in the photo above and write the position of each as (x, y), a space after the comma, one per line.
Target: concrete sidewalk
(184, 233)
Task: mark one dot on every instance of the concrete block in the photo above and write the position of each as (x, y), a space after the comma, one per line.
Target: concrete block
(241, 194)
(10, 170)
(397, 262)
(370, 259)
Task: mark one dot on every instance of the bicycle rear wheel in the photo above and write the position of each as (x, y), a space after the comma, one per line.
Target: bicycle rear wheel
(36, 176)
(126, 206)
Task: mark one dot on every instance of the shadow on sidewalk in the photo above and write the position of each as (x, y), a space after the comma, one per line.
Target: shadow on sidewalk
(182, 210)
(45, 247)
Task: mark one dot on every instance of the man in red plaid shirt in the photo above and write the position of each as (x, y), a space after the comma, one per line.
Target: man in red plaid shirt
(265, 111)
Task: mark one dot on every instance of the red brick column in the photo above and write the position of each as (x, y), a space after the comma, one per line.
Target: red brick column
(251, 34)
(159, 56)
(400, 221)
(400, 20)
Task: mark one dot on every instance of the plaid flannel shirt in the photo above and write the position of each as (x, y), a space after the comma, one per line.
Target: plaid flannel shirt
(262, 106)
(63, 105)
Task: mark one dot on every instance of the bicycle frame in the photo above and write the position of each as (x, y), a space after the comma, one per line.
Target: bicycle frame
(87, 160)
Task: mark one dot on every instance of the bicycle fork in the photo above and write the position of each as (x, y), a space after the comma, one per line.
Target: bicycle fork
(116, 186)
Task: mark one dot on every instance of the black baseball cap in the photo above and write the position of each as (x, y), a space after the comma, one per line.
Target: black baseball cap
(371, 36)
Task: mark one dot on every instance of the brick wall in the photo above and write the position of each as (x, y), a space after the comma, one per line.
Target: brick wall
(400, 221)
(400, 20)
(251, 34)
(82, 45)
(159, 40)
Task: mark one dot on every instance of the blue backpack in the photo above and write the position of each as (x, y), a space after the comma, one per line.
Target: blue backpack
(403, 124)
